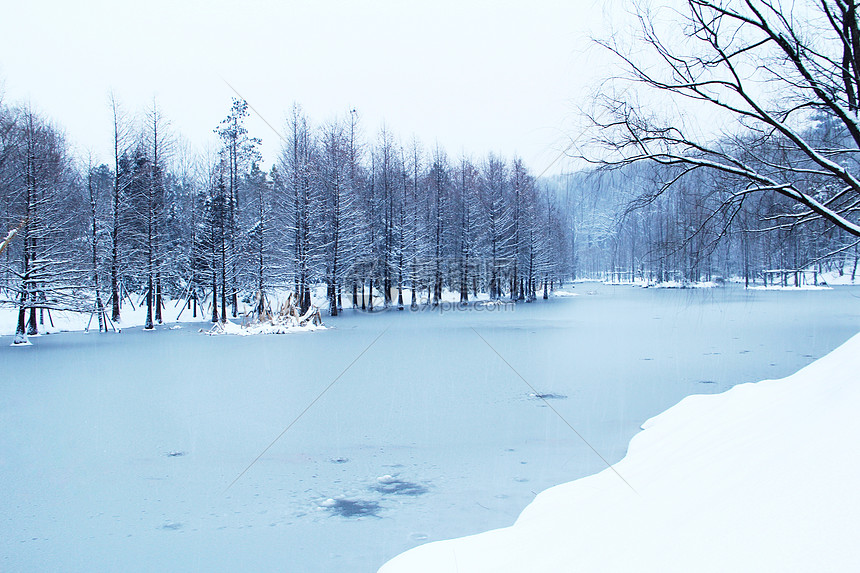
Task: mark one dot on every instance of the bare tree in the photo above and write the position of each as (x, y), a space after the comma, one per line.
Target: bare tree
(48, 277)
(784, 74)
(496, 222)
(120, 143)
(339, 220)
(240, 152)
(96, 179)
(438, 210)
(300, 201)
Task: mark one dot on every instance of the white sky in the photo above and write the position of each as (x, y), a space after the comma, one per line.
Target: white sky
(473, 76)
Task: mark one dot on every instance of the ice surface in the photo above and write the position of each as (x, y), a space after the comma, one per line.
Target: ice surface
(89, 423)
(760, 478)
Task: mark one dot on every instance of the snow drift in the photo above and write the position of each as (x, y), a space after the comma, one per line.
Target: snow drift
(760, 478)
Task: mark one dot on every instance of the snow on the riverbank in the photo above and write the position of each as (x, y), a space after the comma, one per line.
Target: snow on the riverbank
(174, 312)
(791, 288)
(67, 321)
(760, 478)
(681, 284)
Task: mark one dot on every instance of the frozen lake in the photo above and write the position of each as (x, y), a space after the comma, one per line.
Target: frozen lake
(117, 449)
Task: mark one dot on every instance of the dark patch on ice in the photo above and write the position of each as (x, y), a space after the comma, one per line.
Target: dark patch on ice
(808, 356)
(352, 507)
(744, 352)
(646, 359)
(706, 382)
(172, 526)
(397, 486)
(549, 396)
(339, 460)
(175, 454)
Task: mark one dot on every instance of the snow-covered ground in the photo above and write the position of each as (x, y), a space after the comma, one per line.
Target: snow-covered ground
(679, 284)
(762, 477)
(835, 278)
(119, 450)
(178, 312)
(791, 287)
(56, 321)
(824, 279)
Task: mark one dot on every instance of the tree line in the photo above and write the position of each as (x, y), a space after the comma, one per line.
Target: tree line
(376, 221)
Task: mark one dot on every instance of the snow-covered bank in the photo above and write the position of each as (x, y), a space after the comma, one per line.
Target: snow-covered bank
(791, 288)
(52, 322)
(175, 313)
(760, 478)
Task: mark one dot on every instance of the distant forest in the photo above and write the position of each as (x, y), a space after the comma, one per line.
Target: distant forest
(625, 225)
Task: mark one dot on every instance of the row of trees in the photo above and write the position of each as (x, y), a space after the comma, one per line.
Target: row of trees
(390, 216)
(374, 221)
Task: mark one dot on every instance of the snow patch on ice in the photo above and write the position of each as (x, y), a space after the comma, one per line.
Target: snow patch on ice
(391, 484)
(233, 328)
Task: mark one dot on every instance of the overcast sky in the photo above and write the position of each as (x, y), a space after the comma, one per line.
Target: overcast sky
(473, 76)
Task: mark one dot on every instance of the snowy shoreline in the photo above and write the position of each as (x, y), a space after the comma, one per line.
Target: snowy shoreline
(757, 478)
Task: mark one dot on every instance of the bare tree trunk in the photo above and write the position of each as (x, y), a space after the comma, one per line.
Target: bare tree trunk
(114, 232)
